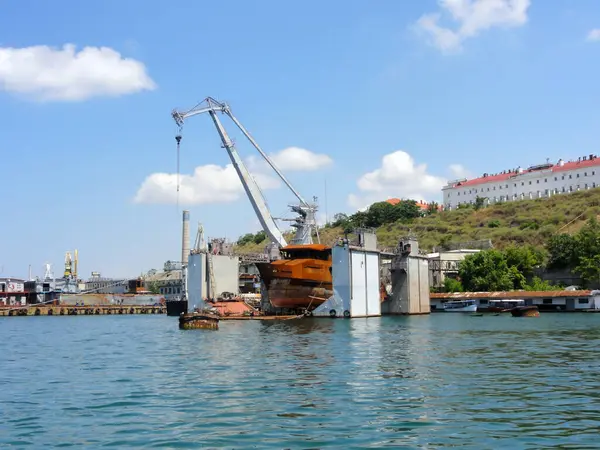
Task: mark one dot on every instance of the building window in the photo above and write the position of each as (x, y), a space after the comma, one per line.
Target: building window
(530, 183)
(545, 180)
(570, 188)
(547, 301)
(522, 183)
(507, 186)
(593, 172)
(563, 189)
(585, 174)
(570, 176)
(538, 181)
(577, 175)
(593, 185)
(586, 186)
(555, 178)
(494, 187)
(488, 189)
(563, 177)
(584, 301)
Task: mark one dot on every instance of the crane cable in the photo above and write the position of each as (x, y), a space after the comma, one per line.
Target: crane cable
(178, 139)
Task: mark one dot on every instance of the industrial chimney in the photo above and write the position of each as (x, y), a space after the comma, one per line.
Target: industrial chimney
(185, 238)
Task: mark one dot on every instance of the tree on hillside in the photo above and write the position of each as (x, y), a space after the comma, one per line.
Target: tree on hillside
(432, 208)
(407, 210)
(359, 219)
(259, 237)
(340, 220)
(245, 239)
(524, 258)
(452, 285)
(380, 213)
(479, 202)
(562, 250)
(588, 251)
(488, 271)
(537, 284)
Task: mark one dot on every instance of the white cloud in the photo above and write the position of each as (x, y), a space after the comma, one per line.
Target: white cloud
(594, 35)
(472, 17)
(291, 159)
(299, 159)
(399, 177)
(208, 184)
(459, 171)
(49, 74)
(216, 184)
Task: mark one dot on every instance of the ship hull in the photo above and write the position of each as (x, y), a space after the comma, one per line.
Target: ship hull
(297, 294)
(293, 293)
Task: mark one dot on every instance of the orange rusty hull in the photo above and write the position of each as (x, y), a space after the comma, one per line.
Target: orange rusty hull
(294, 293)
(297, 283)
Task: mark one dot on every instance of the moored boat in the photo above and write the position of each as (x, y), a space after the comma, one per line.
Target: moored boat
(301, 279)
(525, 311)
(460, 306)
(505, 305)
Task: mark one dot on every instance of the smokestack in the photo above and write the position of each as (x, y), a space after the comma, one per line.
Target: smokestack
(185, 238)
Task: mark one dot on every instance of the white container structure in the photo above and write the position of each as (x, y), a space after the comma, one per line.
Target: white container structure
(355, 276)
(196, 281)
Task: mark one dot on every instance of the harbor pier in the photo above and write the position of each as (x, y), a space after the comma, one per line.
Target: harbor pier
(69, 310)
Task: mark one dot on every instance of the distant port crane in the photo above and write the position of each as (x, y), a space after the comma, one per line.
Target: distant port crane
(305, 222)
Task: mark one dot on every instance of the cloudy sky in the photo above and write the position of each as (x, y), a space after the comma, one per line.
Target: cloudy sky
(356, 102)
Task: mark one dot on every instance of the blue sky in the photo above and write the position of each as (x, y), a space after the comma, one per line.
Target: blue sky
(484, 86)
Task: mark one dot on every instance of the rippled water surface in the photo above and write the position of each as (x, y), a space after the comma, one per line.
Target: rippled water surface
(418, 382)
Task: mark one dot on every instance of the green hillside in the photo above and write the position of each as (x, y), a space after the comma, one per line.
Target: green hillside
(519, 222)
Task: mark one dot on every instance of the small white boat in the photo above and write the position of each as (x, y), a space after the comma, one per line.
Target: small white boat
(460, 306)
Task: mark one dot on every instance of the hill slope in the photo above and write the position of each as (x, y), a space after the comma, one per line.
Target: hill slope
(519, 222)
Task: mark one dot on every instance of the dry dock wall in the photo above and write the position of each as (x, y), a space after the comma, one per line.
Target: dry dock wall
(355, 276)
(410, 281)
(226, 272)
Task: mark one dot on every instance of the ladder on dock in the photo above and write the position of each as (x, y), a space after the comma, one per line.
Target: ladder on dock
(211, 274)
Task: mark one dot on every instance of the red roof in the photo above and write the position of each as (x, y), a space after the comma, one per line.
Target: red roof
(594, 161)
(422, 205)
(573, 165)
(488, 179)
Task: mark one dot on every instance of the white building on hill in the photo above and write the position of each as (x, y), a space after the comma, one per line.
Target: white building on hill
(539, 181)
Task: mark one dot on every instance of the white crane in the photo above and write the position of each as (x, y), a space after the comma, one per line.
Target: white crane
(304, 223)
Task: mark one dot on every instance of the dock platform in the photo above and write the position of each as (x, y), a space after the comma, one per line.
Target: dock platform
(68, 310)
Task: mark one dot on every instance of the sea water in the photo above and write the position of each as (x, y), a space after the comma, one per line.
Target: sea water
(401, 382)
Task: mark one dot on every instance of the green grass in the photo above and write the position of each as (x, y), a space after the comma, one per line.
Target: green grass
(519, 222)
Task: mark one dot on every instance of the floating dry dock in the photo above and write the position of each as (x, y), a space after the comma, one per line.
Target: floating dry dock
(67, 310)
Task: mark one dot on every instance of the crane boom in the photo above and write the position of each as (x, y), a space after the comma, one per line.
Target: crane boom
(252, 190)
(304, 223)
